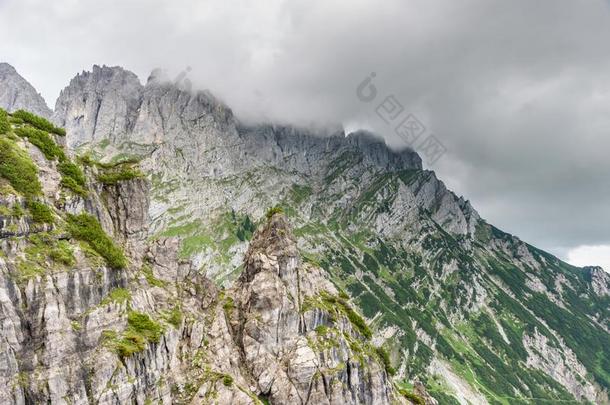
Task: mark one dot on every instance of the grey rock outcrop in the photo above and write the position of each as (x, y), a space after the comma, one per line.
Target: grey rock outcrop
(97, 105)
(297, 343)
(16, 93)
(600, 280)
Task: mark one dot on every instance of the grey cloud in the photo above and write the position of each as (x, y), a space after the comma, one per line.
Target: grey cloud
(518, 92)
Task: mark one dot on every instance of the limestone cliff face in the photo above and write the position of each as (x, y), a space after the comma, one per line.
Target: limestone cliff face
(17, 94)
(295, 333)
(100, 104)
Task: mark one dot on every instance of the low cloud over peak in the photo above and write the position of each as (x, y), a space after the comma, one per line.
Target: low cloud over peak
(517, 92)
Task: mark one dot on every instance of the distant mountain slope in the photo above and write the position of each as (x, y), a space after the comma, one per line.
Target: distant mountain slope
(473, 313)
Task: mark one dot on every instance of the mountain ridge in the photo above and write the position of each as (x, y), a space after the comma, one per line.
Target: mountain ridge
(471, 311)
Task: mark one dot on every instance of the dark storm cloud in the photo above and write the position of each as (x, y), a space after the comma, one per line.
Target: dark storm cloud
(518, 92)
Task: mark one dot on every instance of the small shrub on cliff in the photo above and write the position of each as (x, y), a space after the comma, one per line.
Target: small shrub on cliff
(142, 324)
(118, 295)
(42, 141)
(118, 174)
(38, 122)
(385, 358)
(334, 304)
(62, 253)
(174, 317)
(227, 380)
(86, 228)
(414, 398)
(274, 210)
(41, 213)
(141, 329)
(73, 178)
(17, 167)
(5, 126)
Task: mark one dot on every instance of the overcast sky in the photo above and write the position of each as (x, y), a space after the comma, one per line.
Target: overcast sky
(518, 91)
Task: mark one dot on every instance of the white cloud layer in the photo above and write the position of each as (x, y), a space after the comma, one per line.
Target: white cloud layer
(590, 256)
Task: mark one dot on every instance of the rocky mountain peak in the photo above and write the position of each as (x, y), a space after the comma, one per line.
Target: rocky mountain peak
(381, 155)
(5, 68)
(16, 93)
(273, 248)
(288, 312)
(101, 104)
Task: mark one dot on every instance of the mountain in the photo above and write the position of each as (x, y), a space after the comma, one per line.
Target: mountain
(94, 312)
(457, 310)
(16, 93)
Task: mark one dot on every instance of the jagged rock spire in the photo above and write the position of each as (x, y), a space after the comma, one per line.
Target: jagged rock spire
(273, 248)
(298, 345)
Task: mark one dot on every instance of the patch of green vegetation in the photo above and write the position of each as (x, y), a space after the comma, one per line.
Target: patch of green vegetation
(228, 306)
(150, 276)
(321, 330)
(174, 317)
(42, 141)
(85, 159)
(274, 210)
(588, 342)
(193, 244)
(125, 157)
(73, 177)
(62, 253)
(264, 399)
(227, 380)
(5, 125)
(38, 122)
(27, 270)
(414, 398)
(245, 228)
(385, 359)
(338, 306)
(123, 174)
(5, 211)
(299, 193)
(15, 120)
(17, 167)
(141, 330)
(17, 211)
(41, 213)
(117, 295)
(86, 228)
(44, 246)
(142, 323)
(119, 163)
